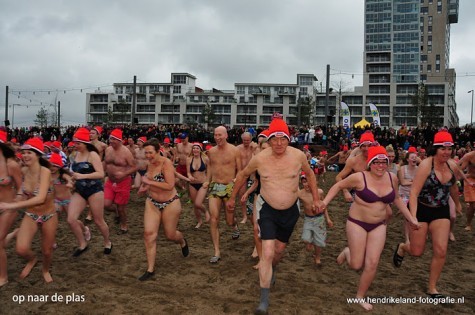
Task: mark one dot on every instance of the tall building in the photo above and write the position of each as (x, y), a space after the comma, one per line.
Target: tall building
(408, 42)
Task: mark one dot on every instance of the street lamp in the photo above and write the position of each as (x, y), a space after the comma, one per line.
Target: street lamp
(471, 113)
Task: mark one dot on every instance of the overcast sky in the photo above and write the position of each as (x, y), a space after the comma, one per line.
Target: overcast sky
(65, 45)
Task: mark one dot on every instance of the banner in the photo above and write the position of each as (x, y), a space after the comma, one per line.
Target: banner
(375, 115)
(345, 113)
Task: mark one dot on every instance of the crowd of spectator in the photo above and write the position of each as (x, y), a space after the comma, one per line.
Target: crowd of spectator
(334, 137)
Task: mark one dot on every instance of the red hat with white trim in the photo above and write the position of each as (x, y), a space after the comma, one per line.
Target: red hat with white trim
(197, 144)
(98, 129)
(56, 144)
(443, 138)
(143, 139)
(35, 144)
(56, 160)
(82, 135)
(47, 144)
(264, 133)
(366, 138)
(116, 134)
(376, 153)
(3, 136)
(278, 128)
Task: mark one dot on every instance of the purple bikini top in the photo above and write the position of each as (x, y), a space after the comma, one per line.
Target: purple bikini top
(368, 196)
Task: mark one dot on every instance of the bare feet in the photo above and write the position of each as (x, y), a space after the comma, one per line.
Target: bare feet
(198, 225)
(452, 237)
(254, 253)
(47, 277)
(468, 228)
(256, 266)
(3, 282)
(11, 236)
(243, 221)
(207, 216)
(29, 266)
(366, 306)
(342, 257)
(317, 260)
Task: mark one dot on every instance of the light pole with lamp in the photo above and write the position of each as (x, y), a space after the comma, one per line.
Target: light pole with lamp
(471, 112)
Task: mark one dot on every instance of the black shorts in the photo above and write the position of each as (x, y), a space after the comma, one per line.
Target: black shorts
(276, 224)
(428, 214)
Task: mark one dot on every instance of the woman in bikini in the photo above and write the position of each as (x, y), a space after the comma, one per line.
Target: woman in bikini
(88, 174)
(162, 206)
(366, 224)
(10, 183)
(434, 183)
(406, 175)
(196, 165)
(62, 185)
(39, 214)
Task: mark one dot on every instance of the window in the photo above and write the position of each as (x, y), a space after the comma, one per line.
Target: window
(118, 90)
(303, 91)
(142, 89)
(437, 67)
(429, 29)
(177, 89)
(241, 89)
(306, 80)
(429, 68)
(152, 99)
(424, 58)
(424, 10)
(179, 79)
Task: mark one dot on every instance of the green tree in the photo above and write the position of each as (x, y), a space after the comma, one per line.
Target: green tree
(425, 112)
(209, 115)
(41, 118)
(305, 110)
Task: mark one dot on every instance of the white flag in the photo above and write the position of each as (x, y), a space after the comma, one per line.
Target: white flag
(345, 113)
(375, 115)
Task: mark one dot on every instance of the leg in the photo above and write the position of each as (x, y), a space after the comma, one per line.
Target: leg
(417, 243)
(439, 230)
(257, 239)
(122, 210)
(469, 215)
(48, 236)
(278, 252)
(317, 255)
(243, 204)
(374, 246)
(214, 209)
(453, 216)
(193, 192)
(152, 218)
(27, 231)
(231, 220)
(6, 221)
(265, 274)
(354, 254)
(170, 217)
(96, 203)
(200, 198)
(76, 206)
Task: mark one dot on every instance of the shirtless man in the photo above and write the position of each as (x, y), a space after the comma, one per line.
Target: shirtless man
(279, 167)
(246, 150)
(95, 134)
(142, 162)
(168, 150)
(342, 157)
(356, 163)
(131, 146)
(183, 150)
(468, 163)
(224, 164)
(119, 165)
